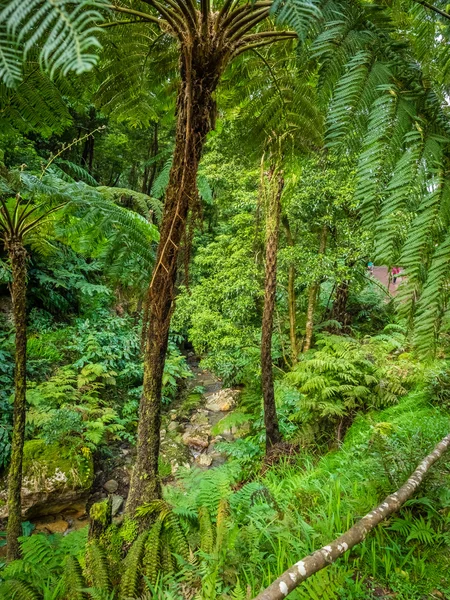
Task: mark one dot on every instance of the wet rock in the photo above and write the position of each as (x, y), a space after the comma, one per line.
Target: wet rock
(111, 486)
(116, 504)
(204, 460)
(196, 437)
(222, 401)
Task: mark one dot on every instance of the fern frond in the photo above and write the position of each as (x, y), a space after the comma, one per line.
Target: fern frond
(131, 577)
(18, 590)
(66, 34)
(97, 567)
(206, 530)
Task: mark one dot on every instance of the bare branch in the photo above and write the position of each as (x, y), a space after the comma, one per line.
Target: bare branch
(327, 555)
(241, 48)
(433, 8)
(135, 13)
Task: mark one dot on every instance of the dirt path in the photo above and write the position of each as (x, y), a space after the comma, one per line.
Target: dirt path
(382, 275)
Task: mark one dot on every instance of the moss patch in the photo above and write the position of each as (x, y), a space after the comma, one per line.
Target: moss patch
(41, 460)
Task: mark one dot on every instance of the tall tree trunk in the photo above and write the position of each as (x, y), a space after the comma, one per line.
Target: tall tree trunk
(17, 255)
(272, 234)
(292, 302)
(339, 310)
(150, 170)
(195, 118)
(312, 296)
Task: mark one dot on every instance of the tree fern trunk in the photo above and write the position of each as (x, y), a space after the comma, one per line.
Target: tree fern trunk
(195, 118)
(17, 256)
(272, 235)
(339, 310)
(312, 297)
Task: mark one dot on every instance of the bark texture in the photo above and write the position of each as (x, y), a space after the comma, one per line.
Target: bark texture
(270, 285)
(312, 296)
(201, 67)
(339, 310)
(327, 555)
(17, 255)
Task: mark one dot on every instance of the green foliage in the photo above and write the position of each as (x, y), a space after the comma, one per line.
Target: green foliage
(73, 579)
(344, 375)
(97, 567)
(66, 35)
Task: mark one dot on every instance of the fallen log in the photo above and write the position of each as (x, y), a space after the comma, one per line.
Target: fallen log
(327, 555)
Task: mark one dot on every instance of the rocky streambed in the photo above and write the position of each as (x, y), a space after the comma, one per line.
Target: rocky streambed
(57, 500)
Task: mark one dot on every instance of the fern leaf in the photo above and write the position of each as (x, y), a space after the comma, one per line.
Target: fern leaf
(66, 33)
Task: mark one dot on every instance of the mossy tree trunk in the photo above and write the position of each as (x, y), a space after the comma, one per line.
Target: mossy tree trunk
(100, 518)
(17, 255)
(201, 68)
(273, 210)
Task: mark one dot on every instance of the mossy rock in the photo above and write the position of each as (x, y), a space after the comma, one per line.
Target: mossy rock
(53, 479)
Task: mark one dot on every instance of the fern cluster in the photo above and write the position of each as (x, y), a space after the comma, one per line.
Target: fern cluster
(342, 376)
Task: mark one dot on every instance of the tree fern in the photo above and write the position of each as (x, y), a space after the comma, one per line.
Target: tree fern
(300, 14)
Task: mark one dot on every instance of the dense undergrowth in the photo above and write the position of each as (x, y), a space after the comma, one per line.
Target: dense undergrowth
(358, 413)
(232, 530)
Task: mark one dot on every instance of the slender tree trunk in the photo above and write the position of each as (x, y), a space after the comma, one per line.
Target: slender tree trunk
(327, 555)
(17, 255)
(195, 118)
(272, 234)
(150, 170)
(312, 296)
(292, 301)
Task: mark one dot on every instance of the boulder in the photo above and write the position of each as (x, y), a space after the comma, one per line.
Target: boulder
(53, 480)
(116, 504)
(222, 401)
(111, 486)
(196, 436)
